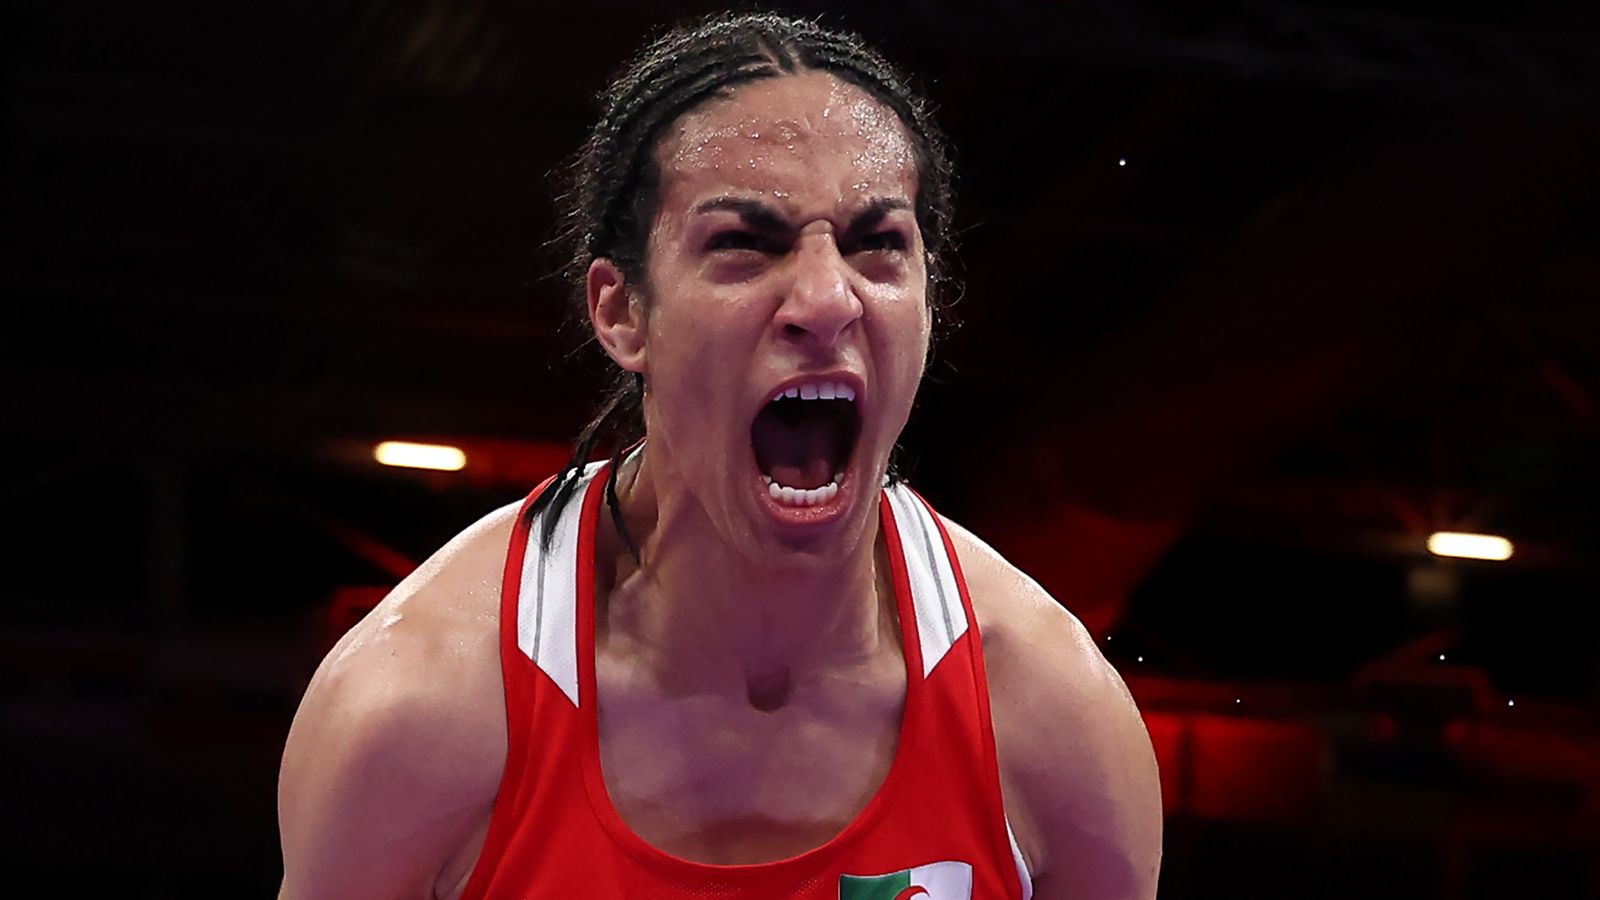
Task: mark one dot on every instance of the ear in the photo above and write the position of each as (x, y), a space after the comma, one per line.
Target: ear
(616, 315)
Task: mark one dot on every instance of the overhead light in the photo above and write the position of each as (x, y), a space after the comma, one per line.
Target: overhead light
(407, 455)
(1468, 546)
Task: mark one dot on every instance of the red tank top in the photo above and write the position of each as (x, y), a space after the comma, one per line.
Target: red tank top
(935, 829)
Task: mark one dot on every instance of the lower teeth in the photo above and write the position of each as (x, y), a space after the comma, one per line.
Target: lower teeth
(789, 496)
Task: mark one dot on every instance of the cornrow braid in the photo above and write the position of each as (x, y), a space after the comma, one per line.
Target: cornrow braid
(612, 193)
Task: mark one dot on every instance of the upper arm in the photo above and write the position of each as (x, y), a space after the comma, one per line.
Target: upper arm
(1090, 776)
(365, 807)
(1076, 762)
(395, 754)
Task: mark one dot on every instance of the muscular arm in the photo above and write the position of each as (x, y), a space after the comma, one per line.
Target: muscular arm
(1077, 767)
(395, 755)
(372, 799)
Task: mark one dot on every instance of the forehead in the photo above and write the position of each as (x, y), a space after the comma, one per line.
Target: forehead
(807, 139)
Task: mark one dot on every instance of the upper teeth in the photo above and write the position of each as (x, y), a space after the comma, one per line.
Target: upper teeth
(822, 390)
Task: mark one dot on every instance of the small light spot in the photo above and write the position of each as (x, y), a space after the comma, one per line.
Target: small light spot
(1511, 703)
(1441, 657)
(1122, 161)
(1469, 546)
(1108, 637)
(405, 454)
(1141, 659)
(1236, 700)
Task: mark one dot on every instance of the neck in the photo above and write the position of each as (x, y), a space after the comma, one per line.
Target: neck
(710, 618)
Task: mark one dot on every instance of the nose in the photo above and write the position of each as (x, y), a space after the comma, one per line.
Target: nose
(820, 303)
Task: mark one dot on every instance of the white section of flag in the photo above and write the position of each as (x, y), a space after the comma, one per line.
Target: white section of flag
(944, 880)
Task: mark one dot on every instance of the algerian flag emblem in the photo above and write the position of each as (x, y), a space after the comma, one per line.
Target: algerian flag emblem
(935, 881)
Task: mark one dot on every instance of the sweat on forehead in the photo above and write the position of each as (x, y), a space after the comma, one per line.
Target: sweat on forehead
(774, 131)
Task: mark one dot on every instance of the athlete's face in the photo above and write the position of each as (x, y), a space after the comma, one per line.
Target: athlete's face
(785, 254)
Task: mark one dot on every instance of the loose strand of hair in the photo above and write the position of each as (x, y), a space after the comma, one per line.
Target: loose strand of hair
(617, 519)
(622, 401)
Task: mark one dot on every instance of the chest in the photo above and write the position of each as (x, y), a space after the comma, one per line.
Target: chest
(712, 779)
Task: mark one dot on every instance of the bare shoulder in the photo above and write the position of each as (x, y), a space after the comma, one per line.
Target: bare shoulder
(396, 752)
(1077, 767)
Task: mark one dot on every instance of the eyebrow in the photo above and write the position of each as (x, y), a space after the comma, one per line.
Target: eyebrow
(762, 217)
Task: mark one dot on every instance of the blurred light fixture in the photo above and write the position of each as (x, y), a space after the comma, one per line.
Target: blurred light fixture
(1122, 161)
(407, 455)
(1468, 546)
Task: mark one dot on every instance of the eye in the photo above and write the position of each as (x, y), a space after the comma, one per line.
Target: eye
(881, 240)
(742, 240)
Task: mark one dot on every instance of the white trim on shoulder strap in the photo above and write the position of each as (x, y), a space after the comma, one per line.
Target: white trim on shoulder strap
(941, 618)
(1022, 864)
(547, 603)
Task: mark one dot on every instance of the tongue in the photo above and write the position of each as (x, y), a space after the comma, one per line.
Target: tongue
(810, 474)
(797, 452)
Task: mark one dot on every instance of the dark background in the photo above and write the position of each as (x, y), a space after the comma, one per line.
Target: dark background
(1258, 296)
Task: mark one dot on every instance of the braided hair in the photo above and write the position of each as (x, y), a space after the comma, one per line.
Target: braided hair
(611, 199)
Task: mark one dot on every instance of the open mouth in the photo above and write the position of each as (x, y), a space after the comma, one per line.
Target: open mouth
(803, 439)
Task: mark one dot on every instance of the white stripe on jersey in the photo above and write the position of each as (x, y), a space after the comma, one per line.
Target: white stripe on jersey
(547, 604)
(941, 618)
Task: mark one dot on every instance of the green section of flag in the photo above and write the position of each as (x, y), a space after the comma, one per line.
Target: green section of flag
(946, 880)
(873, 887)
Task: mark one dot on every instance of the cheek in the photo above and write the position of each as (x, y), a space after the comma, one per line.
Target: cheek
(709, 321)
(900, 341)
(700, 348)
